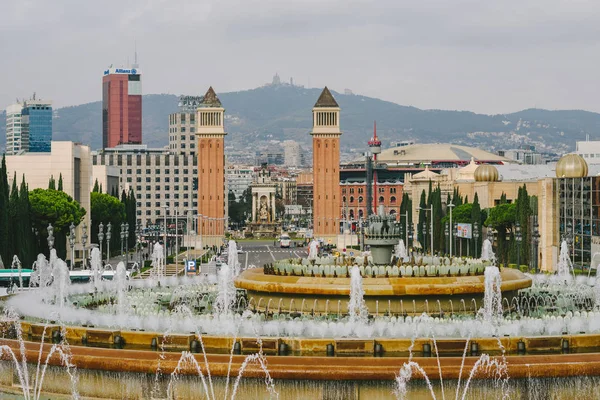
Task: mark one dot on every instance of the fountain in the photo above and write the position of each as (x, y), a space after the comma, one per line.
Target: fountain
(313, 250)
(381, 235)
(158, 262)
(232, 256)
(565, 270)
(96, 269)
(184, 337)
(401, 251)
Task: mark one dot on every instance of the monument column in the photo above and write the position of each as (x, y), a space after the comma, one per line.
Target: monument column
(210, 134)
(326, 162)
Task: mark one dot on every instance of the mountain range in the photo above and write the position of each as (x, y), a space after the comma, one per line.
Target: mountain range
(280, 112)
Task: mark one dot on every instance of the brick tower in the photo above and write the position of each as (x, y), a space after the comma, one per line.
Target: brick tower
(326, 163)
(211, 162)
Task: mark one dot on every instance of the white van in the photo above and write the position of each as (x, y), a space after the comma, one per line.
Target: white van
(284, 241)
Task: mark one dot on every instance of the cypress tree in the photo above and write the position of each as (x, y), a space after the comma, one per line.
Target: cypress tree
(422, 220)
(96, 189)
(26, 243)
(131, 217)
(60, 182)
(438, 231)
(100, 191)
(13, 222)
(4, 206)
(52, 183)
(476, 219)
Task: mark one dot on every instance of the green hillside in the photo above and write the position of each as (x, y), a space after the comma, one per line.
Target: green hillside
(284, 112)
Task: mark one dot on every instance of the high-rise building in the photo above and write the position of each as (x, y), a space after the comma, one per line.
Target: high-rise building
(291, 153)
(182, 126)
(29, 126)
(326, 163)
(121, 107)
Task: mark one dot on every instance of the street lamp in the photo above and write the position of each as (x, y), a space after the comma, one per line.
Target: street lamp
(101, 237)
(536, 241)
(72, 244)
(84, 238)
(166, 207)
(108, 236)
(453, 237)
(126, 243)
(430, 208)
(138, 243)
(447, 234)
(50, 236)
(410, 234)
(519, 238)
(451, 206)
(476, 237)
(424, 236)
(122, 239)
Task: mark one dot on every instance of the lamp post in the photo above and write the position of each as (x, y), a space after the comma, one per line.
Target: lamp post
(166, 207)
(406, 227)
(108, 236)
(536, 241)
(410, 234)
(176, 211)
(72, 244)
(84, 238)
(430, 208)
(138, 242)
(446, 234)
(453, 236)
(451, 232)
(476, 237)
(518, 238)
(122, 236)
(100, 237)
(50, 237)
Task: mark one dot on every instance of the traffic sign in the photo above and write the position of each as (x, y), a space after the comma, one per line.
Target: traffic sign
(351, 253)
(190, 266)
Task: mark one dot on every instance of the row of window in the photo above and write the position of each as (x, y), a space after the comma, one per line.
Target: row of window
(361, 199)
(182, 118)
(158, 171)
(165, 160)
(361, 190)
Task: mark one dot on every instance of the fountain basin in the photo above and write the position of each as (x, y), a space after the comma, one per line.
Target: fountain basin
(405, 295)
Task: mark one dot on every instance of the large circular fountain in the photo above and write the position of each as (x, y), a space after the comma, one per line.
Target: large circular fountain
(398, 285)
(139, 338)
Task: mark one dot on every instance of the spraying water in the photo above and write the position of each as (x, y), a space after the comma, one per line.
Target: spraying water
(401, 250)
(158, 261)
(487, 253)
(16, 264)
(233, 257)
(120, 280)
(42, 272)
(96, 268)
(226, 291)
(61, 282)
(492, 297)
(565, 266)
(356, 307)
(313, 250)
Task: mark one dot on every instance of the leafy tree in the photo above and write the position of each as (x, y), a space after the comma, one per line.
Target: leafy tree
(107, 209)
(502, 218)
(60, 182)
(49, 206)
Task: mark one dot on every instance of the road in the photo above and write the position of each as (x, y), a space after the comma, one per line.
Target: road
(258, 253)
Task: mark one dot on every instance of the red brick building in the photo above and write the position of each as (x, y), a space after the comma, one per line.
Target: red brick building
(121, 107)
(354, 201)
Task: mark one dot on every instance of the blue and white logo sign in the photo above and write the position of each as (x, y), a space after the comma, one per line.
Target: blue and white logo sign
(190, 266)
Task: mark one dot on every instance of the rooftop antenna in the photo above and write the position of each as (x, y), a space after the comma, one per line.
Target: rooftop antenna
(135, 61)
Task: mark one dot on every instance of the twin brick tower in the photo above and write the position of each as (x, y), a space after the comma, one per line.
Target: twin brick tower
(211, 164)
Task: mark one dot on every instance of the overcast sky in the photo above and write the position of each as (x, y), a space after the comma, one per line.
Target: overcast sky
(486, 56)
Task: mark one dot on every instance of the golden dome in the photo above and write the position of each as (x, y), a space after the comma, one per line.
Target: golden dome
(486, 173)
(571, 166)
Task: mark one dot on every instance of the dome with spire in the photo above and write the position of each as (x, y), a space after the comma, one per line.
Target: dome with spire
(571, 166)
(486, 173)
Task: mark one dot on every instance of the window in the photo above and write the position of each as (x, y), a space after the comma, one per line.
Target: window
(360, 190)
(148, 171)
(157, 204)
(351, 190)
(148, 204)
(381, 190)
(129, 171)
(148, 179)
(381, 199)
(138, 188)
(157, 179)
(393, 190)
(393, 199)
(157, 171)
(157, 187)
(351, 199)
(138, 179)
(147, 187)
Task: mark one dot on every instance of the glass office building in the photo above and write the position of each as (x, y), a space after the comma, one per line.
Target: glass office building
(37, 122)
(579, 222)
